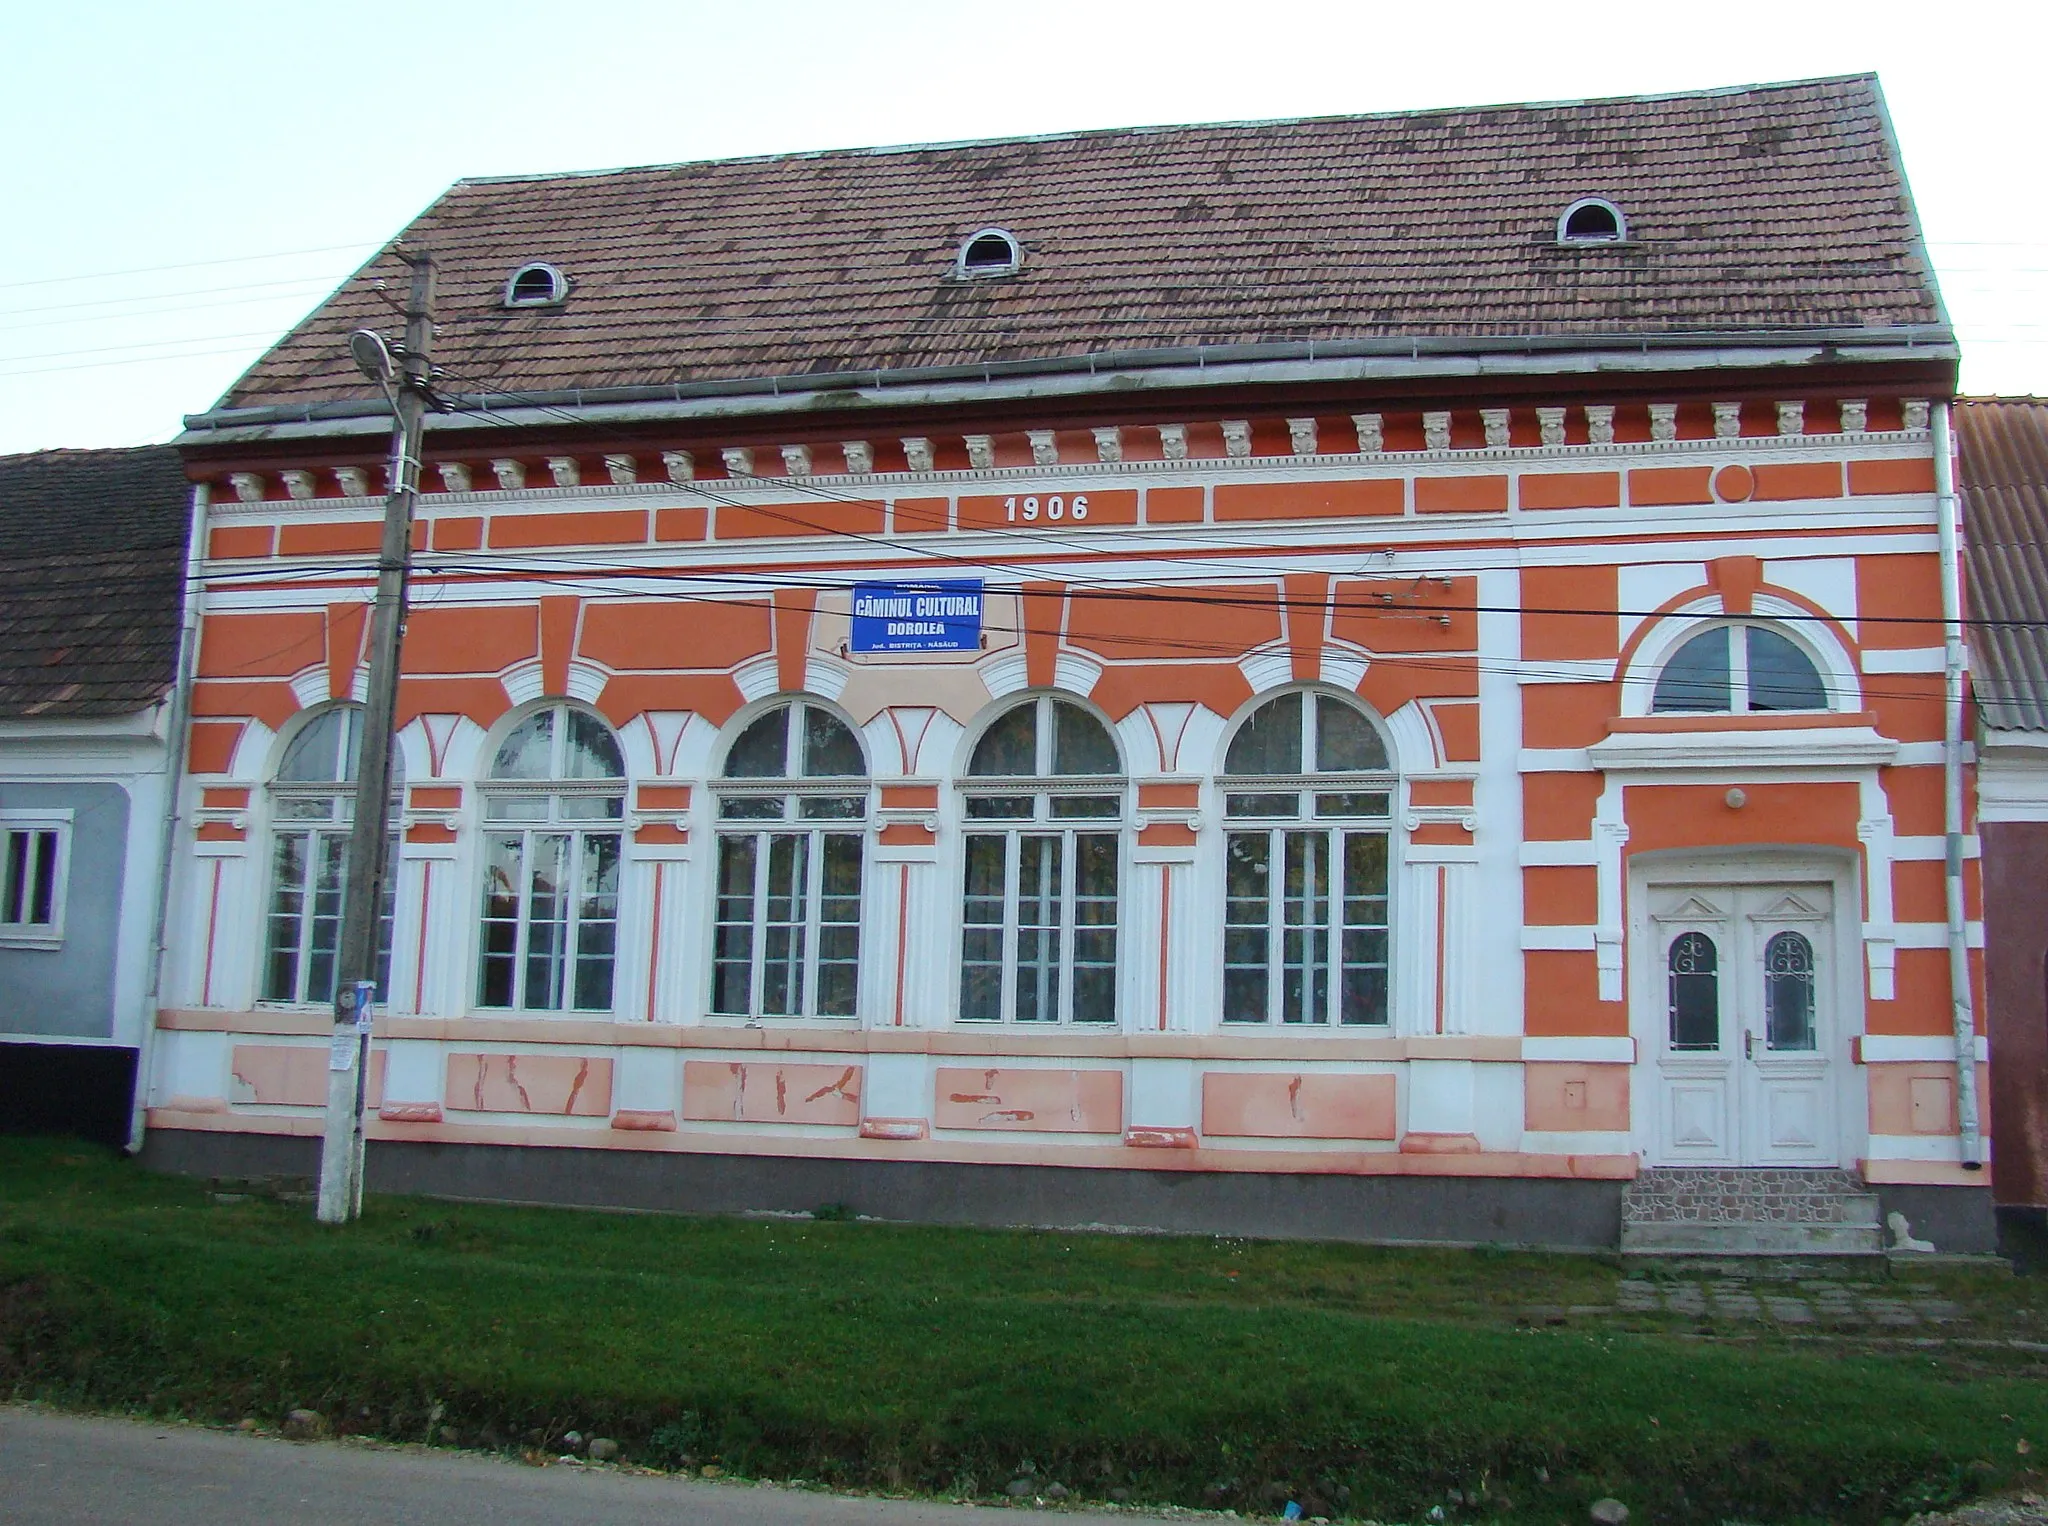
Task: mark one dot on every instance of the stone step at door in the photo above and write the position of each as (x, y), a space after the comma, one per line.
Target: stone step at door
(1701, 1211)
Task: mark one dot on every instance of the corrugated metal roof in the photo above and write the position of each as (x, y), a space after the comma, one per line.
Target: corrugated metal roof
(2002, 456)
(1770, 208)
(92, 567)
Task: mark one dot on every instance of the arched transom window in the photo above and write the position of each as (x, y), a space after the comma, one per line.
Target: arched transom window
(1739, 669)
(792, 808)
(312, 810)
(553, 805)
(1044, 806)
(1307, 796)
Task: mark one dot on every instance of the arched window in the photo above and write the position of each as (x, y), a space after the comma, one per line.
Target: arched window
(552, 810)
(1591, 221)
(312, 811)
(1739, 668)
(991, 252)
(1044, 806)
(1307, 797)
(1693, 968)
(792, 807)
(1788, 992)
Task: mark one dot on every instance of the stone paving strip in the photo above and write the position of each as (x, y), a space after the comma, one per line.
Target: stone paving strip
(1814, 1302)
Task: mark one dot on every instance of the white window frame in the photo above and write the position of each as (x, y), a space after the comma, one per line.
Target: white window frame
(1333, 830)
(555, 822)
(788, 790)
(339, 823)
(32, 824)
(1045, 788)
(1595, 241)
(558, 286)
(962, 271)
(1738, 666)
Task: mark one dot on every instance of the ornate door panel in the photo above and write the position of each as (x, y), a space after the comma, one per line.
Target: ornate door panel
(1737, 988)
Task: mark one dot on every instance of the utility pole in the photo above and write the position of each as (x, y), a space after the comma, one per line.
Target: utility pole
(405, 378)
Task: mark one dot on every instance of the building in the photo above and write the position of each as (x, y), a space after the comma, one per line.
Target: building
(2003, 465)
(1434, 702)
(93, 550)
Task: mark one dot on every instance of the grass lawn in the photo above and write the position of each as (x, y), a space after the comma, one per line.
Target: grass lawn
(1230, 1373)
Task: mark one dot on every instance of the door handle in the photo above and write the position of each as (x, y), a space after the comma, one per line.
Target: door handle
(1748, 1044)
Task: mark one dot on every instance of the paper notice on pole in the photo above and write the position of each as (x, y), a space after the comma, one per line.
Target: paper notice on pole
(341, 1055)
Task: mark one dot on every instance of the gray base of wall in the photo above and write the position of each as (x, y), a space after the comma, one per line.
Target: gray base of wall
(1442, 1210)
(1958, 1220)
(1566, 1215)
(2023, 1236)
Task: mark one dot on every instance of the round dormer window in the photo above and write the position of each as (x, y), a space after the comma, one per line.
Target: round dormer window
(991, 252)
(536, 285)
(1592, 221)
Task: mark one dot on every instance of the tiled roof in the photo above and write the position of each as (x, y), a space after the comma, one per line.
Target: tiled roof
(92, 549)
(2002, 450)
(1772, 208)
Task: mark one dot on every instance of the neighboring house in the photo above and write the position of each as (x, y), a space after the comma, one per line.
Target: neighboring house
(2003, 469)
(1453, 716)
(93, 547)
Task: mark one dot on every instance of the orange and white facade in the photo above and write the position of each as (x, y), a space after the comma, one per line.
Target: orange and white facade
(1571, 919)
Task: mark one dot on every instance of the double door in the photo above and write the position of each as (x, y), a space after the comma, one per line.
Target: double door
(1738, 986)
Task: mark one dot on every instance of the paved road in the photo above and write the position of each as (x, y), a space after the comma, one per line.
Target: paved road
(62, 1470)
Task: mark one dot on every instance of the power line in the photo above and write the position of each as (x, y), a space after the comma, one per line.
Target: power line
(145, 270)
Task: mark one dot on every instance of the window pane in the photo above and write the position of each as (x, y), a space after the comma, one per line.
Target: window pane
(597, 923)
(786, 915)
(1781, 677)
(1246, 926)
(1009, 747)
(323, 935)
(1788, 992)
(1095, 917)
(732, 958)
(1696, 677)
(590, 751)
(321, 808)
(287, 906)
(831, 750)
(515, 807)
(1270, 741)
(547, 924)
(981, 949)
(1363, 998)
(1345, 739)
(839, 926)
(1695, 993)
(1263, 805)
(529, 752)
(16, 888)
(762, 750)
(1305, 928)
(1039, 872)
(502, 873)
(1085, 807)
(753, 807)
(317, 755)
(1001, 807)
(832, 807)
(43, 892)
(589, 807)
(1080, 743)
(1351, 803)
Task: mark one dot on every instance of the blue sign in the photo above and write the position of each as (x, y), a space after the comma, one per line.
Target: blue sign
(917, 617)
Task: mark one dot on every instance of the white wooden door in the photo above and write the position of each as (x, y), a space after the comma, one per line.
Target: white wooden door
(1738, 989)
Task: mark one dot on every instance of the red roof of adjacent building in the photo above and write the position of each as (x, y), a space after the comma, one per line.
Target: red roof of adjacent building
(92, 578)
(2002, 455)
(1760, 210)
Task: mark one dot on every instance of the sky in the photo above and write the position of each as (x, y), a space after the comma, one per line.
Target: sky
(184, 181)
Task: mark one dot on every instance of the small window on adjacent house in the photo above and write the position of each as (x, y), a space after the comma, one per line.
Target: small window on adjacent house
(1591, 221)
(1739, 669)
(991, 252)
(35, 850)
(536, 285)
